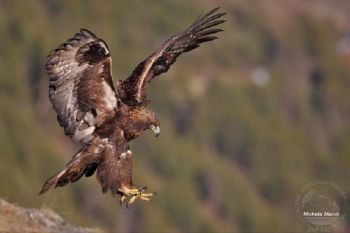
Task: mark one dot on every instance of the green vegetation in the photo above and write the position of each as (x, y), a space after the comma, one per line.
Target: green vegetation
(233, 153)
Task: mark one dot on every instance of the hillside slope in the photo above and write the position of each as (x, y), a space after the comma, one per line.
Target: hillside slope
(14, 218)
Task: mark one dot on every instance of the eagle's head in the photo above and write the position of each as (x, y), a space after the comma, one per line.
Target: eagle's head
(143, 119)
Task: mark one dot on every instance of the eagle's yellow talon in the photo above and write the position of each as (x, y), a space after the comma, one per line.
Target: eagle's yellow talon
(142, 196)
(122, 199)
(132, 200)
(134, 191)
(145, 198)
(134, 194)
(147, 194)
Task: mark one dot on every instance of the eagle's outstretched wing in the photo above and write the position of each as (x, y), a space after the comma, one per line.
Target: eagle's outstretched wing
(134, 89)
(80, 84)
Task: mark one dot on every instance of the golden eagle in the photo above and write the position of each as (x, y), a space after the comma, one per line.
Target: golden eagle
(104, 118)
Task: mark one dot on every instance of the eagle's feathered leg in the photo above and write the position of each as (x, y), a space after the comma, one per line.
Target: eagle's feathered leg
(85, 162)
(115, 173)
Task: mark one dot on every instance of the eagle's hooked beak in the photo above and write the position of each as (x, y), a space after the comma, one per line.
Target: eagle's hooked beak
(155, 129)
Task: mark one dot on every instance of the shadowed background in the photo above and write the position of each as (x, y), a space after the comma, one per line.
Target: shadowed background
(246, 120)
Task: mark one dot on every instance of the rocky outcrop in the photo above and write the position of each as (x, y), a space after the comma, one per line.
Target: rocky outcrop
(17, 219)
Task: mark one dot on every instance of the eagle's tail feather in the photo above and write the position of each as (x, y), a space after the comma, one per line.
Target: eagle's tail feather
(51, 181)
(85, 162)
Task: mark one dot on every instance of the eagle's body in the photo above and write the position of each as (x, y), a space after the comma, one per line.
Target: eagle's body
(104, 118)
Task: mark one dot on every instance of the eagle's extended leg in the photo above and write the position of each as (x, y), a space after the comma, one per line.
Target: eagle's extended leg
(128, 191)
(115, 173)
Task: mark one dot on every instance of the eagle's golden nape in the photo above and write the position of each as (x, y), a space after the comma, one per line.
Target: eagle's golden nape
(104, 118)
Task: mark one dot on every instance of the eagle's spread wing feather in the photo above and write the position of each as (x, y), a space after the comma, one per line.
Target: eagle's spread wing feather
(133, 90)
(80, 84)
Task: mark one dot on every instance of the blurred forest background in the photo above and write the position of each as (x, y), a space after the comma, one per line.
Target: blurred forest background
(246, 120)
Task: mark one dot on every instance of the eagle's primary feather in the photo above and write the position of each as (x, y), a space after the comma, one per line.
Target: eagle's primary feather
(103, 118)
(133, 90)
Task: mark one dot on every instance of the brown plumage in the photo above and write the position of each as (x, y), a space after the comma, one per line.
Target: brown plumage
(103, 118)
